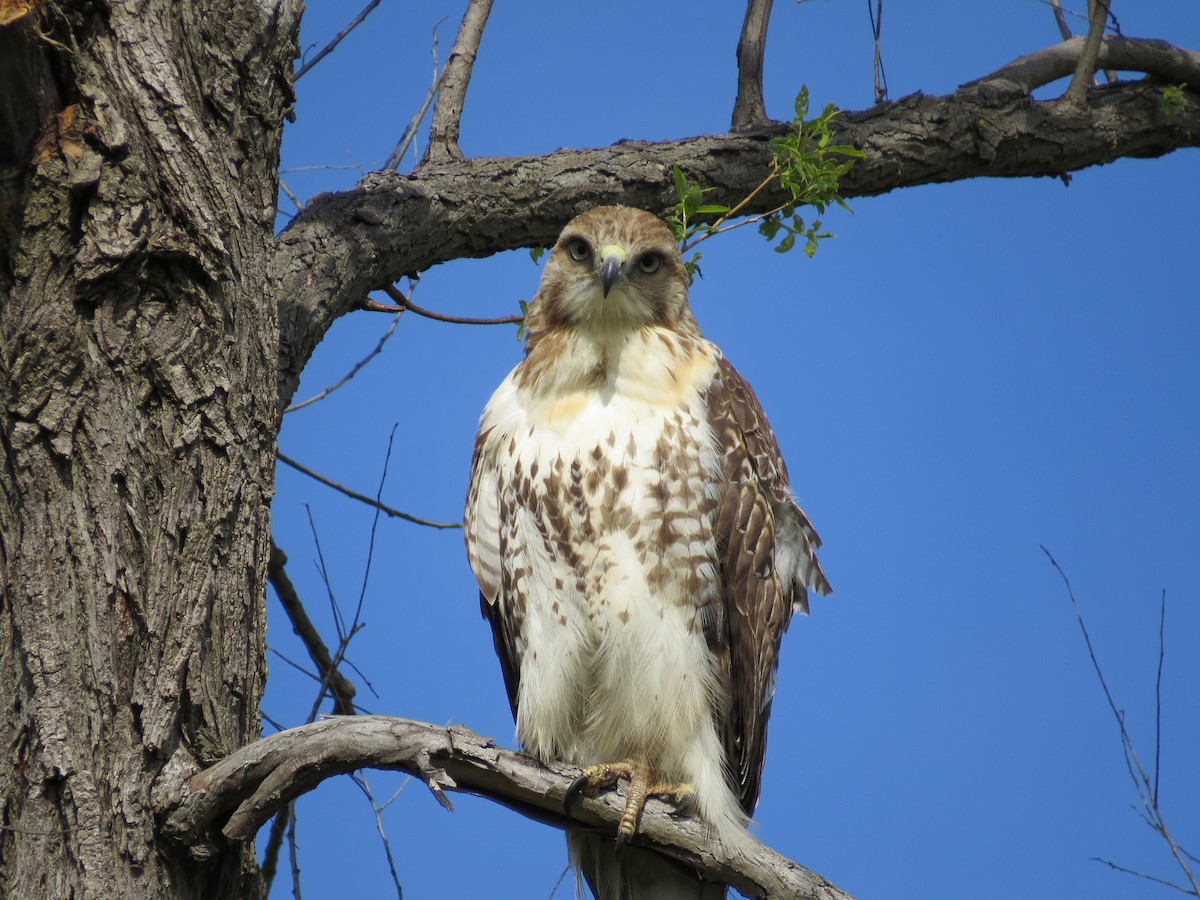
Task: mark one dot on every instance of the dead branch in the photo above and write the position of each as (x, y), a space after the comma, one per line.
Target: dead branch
(447, 111)
(749, 110)
(234, 798)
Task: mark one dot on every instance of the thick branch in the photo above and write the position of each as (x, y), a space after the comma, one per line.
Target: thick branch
(1171, 64)
(749, 111)
(344, 245)
(447, 112)
(245, 789)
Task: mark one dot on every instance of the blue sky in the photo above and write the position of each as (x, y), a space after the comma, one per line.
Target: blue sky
(965, 372)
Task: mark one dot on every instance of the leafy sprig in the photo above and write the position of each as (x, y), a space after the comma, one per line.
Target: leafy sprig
(805, 162)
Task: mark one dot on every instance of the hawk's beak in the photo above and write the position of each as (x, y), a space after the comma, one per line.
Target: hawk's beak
(610, 269)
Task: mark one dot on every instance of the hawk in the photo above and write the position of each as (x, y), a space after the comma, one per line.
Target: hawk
(638, 550)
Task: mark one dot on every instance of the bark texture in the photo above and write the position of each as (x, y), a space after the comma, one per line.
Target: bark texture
(137, 369)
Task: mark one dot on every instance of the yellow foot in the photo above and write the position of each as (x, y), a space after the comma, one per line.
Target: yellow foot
(643, 783)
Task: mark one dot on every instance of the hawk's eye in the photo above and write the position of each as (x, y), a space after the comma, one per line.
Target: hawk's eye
(578, 249)
(649, 263)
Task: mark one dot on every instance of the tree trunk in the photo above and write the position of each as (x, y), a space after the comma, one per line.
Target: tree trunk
(138, 372)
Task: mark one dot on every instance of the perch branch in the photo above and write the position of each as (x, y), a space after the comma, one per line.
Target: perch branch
(749, 110)
(447, 111)
(238, 795)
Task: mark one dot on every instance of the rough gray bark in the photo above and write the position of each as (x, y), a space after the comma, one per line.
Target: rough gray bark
(137, 369)
(151, 328)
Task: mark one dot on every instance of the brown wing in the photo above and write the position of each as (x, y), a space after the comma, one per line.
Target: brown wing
(767, 560)
(485, 538)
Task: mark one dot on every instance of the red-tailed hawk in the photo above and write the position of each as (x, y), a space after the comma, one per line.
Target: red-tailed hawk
(637, 547)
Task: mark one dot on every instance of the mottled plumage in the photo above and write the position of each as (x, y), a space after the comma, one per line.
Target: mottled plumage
(636, 544)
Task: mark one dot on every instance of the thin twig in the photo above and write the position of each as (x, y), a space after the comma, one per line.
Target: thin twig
(1142, 784)
(749, 110)
(1147, 876)
(270, 863)
(410, 130)
(1086, 67)
(288, 192)
(1162, 649)
(403, 302)
(394, 513)
(361, 780)
(341, 689)
(447, 111)
(293, 857)
(1063, 29)
(328, 48)
(877, 30)
(354, 371)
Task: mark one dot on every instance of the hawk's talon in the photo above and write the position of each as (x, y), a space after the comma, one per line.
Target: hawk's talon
(639, 774)
(574, 789)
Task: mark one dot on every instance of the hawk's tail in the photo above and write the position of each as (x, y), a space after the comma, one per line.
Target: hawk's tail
(631, 873)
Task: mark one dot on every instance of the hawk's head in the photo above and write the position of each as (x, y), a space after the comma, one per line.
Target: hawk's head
(613, 269)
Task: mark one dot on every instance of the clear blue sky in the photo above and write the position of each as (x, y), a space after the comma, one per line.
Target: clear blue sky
(965, 372)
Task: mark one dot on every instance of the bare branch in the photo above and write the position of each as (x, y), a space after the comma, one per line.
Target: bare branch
(749, 110)
(340, 688)
(328, 48)
(447, 112)
(239, 794)
(1158, 58)
(403, 303)
(1147, 793)
(410, 131)
(321, 395)
(877, 31)
(342, 246)
(382, 507)
(1061, 20)
(1085, 68)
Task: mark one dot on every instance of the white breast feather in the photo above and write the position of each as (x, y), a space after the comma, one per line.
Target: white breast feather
(615, 667)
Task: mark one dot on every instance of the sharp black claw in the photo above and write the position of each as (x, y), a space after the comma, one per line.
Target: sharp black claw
(622, 841)
(573, 792)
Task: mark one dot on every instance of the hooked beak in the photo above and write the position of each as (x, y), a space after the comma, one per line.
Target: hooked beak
(610, 272)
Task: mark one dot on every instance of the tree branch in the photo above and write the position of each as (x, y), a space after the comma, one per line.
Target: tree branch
(447, 112)
(749, 110)
(340, 688)
(341, 36)
(239, 794)
(342, 246)
(1171, 64)
(1085, 68)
